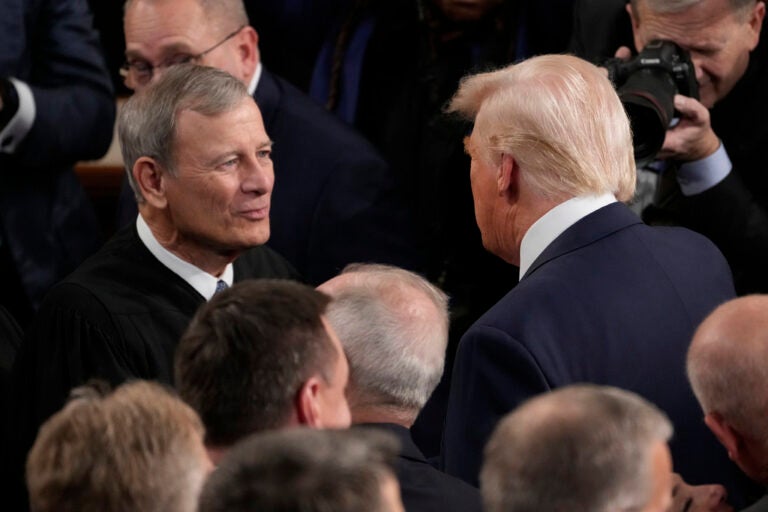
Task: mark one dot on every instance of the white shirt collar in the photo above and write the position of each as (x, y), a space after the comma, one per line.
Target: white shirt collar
(203, 282)
(550, 225)
(255, 79)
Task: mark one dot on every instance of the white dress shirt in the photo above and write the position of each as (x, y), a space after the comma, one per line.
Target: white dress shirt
(550, 225)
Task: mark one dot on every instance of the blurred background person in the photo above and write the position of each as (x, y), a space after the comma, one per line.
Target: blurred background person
(581, 447)
(306, 470)
(56, 108)
(137, 448)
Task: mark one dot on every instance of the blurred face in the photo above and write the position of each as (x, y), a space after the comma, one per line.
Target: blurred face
(160, 33)
(697, 498)
(334, 409)
(466, 10)
(218, 200)
(718, 39)
(661, 467)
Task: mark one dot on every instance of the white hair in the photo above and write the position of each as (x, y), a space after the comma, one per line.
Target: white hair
(561, 119)
(393, 325)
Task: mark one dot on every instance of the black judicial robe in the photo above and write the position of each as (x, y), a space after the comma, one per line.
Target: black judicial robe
(118, 316)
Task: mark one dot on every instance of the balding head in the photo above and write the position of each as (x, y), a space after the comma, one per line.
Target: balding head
(613, 440)
(727, 370)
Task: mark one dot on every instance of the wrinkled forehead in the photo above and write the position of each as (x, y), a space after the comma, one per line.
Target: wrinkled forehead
(153, 26)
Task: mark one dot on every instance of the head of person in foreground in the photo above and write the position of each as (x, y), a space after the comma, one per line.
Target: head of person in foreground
(581, 447)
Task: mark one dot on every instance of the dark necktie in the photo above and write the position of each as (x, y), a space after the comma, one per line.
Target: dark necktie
(220, 286)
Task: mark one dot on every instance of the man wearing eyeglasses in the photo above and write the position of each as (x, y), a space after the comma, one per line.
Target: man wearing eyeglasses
(335, 199)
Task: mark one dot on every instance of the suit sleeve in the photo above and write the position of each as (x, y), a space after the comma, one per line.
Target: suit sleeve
(74, 100)
(493, 374)
(730, 216)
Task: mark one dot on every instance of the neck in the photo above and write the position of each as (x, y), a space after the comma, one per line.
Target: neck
(383, 414)
(206, 258)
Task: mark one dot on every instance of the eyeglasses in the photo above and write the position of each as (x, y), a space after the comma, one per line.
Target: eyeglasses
(140, 72)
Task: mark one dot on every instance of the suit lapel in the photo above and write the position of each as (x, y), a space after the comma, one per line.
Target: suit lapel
(595, 226)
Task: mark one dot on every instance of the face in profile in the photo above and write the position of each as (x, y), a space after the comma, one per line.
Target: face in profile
(218, 200)
(697, 498)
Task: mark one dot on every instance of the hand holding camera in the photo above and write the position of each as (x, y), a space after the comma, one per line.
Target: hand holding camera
(660, 93)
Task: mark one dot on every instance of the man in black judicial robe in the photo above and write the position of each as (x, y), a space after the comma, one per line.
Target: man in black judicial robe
(199, 162)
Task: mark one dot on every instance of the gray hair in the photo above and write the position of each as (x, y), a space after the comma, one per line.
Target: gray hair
(138, 448)
(393, 325)
(561, 119)
(581, 447)
(146, 124)
(303, 469)
(726, 364)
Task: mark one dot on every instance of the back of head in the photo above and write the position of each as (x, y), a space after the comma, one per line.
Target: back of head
(560, 118)
(726, 364)
(247, 353)
(146, 123)
(139, 448)
(303, 469)
(581, 447)
(393, 325)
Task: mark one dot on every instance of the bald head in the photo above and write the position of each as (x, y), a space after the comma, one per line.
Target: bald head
(728, 353)
(728, 371)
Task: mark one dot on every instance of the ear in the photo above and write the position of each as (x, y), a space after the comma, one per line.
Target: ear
(726, 434)
(507, 181)
(150, 178)
(755, 24)
(308, 403)
(248, 51)
(639, 43)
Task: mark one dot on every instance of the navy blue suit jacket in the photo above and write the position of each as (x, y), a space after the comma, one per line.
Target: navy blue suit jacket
(610, 301)
(46, 220)
(335, 199)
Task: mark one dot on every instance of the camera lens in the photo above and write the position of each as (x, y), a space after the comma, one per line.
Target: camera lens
(648, 98)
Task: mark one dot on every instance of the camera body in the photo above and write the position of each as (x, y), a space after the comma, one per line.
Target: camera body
(647, 85)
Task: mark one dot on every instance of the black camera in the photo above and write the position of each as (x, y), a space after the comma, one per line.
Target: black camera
(647, 85)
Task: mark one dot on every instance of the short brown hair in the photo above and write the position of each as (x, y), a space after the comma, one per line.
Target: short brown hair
(247, 352)
(139, 448)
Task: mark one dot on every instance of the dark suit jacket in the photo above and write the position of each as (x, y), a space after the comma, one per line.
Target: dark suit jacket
(46, 221)
(610, 301)
(424, 488)
(335, 199)
(118, 317)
